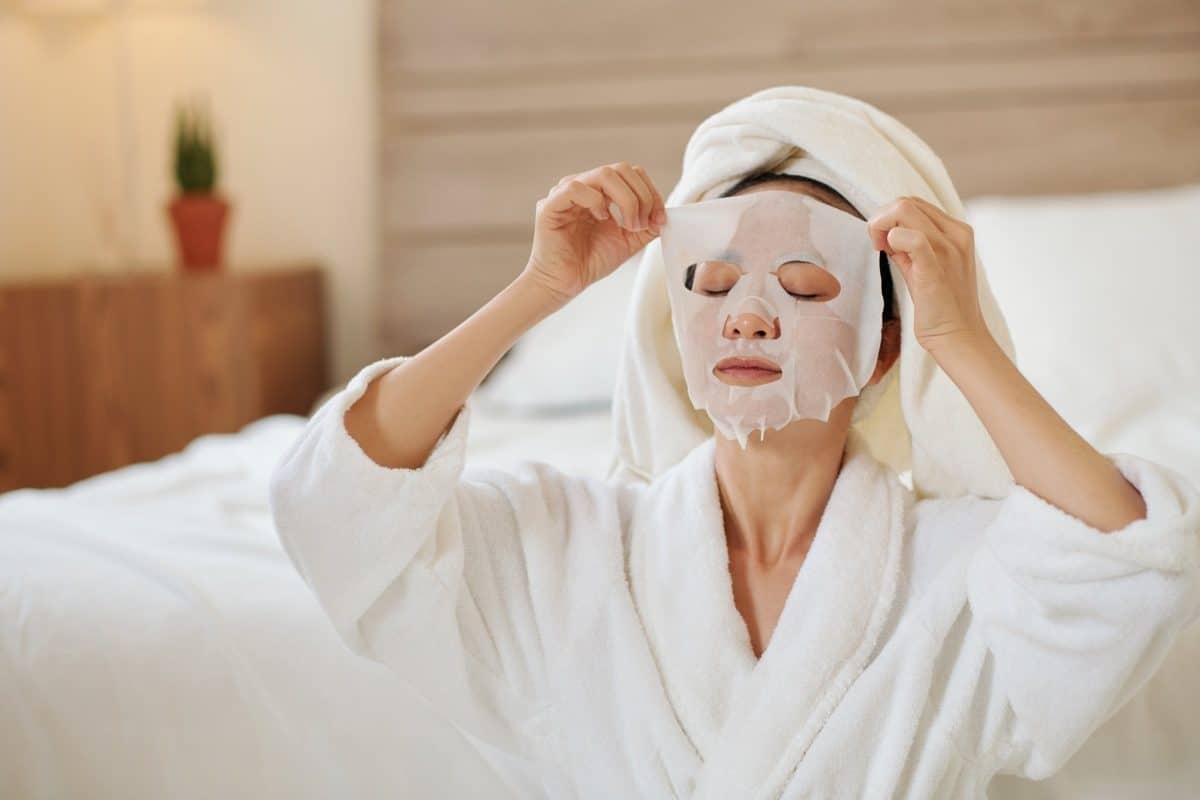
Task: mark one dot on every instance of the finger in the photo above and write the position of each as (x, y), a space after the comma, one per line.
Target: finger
(935, 215)
(641, 186)
(577, 193)
(937, 223)
(619, 192)
(901, 212)
(658, 211)
(658, 214)
(915, 244)
(957, 231)
(906, 213)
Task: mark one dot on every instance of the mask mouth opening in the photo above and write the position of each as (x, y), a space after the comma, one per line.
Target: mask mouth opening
(747, 371)
(748, 362)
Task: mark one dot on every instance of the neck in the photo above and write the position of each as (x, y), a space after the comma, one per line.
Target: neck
(774, 492)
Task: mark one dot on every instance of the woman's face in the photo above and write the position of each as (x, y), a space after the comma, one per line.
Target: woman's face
(776, 306)
(803, 279)
(889, 349)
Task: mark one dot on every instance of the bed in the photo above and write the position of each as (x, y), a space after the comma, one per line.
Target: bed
(156, 642)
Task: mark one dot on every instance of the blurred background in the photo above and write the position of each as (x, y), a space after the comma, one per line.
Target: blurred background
(398, 148)
(213, 212)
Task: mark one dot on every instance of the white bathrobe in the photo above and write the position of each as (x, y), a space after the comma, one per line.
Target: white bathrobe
(583, 634)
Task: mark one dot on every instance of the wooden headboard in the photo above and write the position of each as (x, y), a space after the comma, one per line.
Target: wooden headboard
(485, 105)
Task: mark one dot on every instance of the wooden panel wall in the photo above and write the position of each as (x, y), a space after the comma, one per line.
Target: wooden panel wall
(486, 105)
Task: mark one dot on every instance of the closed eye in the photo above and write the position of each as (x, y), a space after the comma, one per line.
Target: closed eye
(711, 278)
(796, 275)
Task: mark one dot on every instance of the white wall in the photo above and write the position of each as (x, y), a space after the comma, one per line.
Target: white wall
(292, 87)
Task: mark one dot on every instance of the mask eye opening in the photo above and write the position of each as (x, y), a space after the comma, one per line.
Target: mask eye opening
(717, 273)
(814, 276)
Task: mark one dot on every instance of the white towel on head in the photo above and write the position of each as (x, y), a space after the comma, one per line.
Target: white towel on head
(917, 420)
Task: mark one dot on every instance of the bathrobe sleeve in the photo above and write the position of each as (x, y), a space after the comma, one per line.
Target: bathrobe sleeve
(1076, 620)
(418, 569)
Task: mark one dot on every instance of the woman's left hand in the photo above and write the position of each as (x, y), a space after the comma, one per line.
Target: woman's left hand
(936, 256)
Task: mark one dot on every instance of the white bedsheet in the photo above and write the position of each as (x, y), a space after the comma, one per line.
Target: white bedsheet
(156, 642)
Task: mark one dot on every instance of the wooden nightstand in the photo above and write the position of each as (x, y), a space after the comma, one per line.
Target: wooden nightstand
(105, 370)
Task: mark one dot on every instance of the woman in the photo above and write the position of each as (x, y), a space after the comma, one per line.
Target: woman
(784, 620)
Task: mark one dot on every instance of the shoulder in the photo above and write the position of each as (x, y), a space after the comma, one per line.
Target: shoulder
(538, 487)
(566, 512)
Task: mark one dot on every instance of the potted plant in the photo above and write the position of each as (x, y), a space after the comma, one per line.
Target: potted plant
(198, 213)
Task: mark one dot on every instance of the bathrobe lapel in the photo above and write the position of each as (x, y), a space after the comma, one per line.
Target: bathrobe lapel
(751, 721)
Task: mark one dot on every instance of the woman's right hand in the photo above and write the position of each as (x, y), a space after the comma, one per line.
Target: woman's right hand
(577, 241)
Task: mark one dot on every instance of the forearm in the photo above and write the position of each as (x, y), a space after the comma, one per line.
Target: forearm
(399, 418)
(1043, 452)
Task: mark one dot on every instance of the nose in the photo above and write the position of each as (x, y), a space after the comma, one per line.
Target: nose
(751, 326)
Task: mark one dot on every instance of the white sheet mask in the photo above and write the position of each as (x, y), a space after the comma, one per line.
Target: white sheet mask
(747, 258)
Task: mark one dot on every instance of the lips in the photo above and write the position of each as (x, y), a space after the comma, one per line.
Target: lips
(748, 363)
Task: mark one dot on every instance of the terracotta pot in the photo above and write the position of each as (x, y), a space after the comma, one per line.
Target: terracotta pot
(199, 222)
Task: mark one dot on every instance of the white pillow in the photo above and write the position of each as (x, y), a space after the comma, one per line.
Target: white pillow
(568, 361)
(1102, 295)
